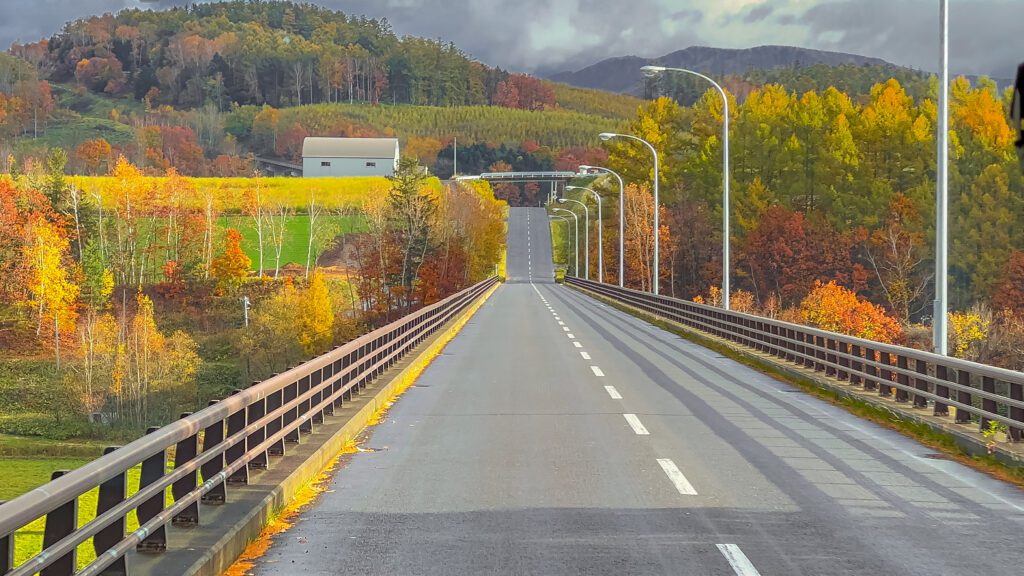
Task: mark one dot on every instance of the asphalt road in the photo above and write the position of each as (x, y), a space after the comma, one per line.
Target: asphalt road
(558, 436)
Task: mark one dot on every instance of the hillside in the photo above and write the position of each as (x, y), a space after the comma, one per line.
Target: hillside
(165, 87)
(622, 74)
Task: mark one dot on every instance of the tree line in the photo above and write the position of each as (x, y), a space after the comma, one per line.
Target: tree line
(828, 189)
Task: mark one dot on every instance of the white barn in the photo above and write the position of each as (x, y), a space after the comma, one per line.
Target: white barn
(339, 157)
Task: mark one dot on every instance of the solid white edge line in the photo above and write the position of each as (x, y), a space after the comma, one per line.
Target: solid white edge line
(613, 392)
(681, 483)
(738, 560)
(636, 425)
(597, 371)
(578, 344)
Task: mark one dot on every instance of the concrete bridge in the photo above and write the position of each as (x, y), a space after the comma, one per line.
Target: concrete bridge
(562, 432)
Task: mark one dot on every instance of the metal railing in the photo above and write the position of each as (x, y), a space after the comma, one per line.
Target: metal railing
(241, 432)
(980, 393)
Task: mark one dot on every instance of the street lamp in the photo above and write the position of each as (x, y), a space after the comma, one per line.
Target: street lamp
(622, 220)
(576, 266)
(586, 233)
(567, 223)
(939, 333)
(600, 235)
(606, 136)
(651, 71)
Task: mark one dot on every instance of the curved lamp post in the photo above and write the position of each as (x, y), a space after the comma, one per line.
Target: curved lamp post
(600, 235)
(651, 71)
(606, 136)
(567, 224)
(586, 233)
(622, 220)
(576, 266)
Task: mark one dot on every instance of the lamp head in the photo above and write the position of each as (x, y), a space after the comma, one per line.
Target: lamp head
(652, 71)
(561, 200)
(606, 136)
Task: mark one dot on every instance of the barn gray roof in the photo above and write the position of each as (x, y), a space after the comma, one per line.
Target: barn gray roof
(313, 147)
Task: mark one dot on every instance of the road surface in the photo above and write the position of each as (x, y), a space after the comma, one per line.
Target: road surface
(558, 436)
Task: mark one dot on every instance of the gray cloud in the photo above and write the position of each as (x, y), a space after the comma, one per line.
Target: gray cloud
(545, 36)
(984, 34)
(759, 13)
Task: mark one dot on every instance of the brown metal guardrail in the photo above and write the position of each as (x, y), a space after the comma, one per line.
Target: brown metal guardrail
(980, 393)
(241, 432)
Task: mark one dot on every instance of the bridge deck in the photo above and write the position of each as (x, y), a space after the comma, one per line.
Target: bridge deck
(557, 436)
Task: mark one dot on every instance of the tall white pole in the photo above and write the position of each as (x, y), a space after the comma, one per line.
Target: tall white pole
(576, 267)
(586, 234)
(940, 336)
(726, 266)
(600, 234)
(455, 156)
(622, 220)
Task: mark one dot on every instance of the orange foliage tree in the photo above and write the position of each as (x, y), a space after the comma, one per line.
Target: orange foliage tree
(231, 267)
(836, 309)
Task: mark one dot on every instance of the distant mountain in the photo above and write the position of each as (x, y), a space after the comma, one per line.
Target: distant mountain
(623, 75)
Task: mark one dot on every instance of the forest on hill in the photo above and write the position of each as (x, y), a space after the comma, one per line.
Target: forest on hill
(826, 189)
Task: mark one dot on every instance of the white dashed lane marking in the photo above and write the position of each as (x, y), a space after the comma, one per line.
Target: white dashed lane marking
(681, 483)
(741, 565)
(613, 392)
(597, 371)
(577, 344)
(636, 425)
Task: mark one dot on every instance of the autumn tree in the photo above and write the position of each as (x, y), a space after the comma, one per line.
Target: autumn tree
(53, 294)
(896, 253)
(836, 309)
(231, 268)
(411, 207)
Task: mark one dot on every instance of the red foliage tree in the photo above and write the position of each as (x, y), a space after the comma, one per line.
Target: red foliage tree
(1009, 291)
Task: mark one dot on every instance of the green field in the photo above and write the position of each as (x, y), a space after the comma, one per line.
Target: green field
(296, 236)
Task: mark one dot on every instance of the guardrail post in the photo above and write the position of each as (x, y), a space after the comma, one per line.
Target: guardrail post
(988, 384)
(315, 379)
(60, 522)
(1016, 414)
(112, 493)
(819, 353)
(212, 436)
(963, 378)
(291, 392)
(885, 377)
(844, 360)
(870, 368)
(855, 365)
(256, 411)
(306, 425)
(236, 423)
(6, 551)
(941, 373)
(184, 452)
(921, 384)
(274, 403)
(830, 357)
(153, 469)
(339, 382)
(326, 373)
(901, 378)
(347, 365)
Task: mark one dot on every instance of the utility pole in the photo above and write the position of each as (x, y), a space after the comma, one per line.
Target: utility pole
(245, 309)
(455, 156)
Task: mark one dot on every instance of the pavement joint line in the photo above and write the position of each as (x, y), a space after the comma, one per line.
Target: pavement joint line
(681, 483)
(741, 565)
(613, 392)
(585, 355)
(597, 371)
(636, 425)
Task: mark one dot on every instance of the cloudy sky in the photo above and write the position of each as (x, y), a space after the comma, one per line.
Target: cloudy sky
(546, 36)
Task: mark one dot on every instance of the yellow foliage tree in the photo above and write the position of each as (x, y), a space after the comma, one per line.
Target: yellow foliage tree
(53, 294)
(231, 267)
(315, 324)
(968, 331)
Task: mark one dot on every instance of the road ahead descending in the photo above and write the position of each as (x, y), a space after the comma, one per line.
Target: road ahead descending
(558, 436)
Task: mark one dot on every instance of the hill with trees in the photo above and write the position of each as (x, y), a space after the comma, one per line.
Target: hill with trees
(164, 87)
